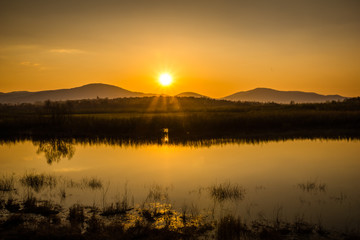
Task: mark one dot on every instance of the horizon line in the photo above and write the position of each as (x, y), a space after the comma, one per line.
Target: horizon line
(100, 83)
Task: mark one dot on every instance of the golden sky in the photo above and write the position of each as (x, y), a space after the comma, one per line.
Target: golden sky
(215, 48)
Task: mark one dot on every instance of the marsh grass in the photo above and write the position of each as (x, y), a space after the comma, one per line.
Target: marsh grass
(38, 181)
(339, 198)
(118, 208)
(62, 193)
(13, 221)
(155, 218)
(157, 193)
(154, 221)
(44, 208)
(231, 228)
(226, 191)
(76, 215)
(95, 224)
(12, 205)
(93, 183)
(313, 186)
(7, 183)
(195, 119)
(301, 227)
(154, 211)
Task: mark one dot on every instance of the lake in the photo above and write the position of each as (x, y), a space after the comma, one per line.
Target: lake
(316, 180)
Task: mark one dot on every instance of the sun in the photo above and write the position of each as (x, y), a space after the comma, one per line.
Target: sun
(165, 79)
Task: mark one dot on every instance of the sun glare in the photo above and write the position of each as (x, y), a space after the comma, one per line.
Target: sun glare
(165, 79)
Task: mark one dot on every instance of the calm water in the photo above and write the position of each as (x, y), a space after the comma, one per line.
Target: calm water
(317, 180)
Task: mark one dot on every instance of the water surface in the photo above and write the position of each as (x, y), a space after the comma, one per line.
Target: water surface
(316, 180)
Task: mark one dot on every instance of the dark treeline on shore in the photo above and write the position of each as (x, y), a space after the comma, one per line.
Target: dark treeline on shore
(184, 118)
(162, 104)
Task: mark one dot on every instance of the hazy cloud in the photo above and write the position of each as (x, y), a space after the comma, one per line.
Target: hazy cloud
(66, 51)
(70, 169)
(33, 65)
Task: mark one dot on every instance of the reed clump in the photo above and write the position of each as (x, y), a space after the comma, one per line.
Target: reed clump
(93, 183)
(226, 191)
(44, 208)
(37, 181)
(312, 186)
(76, 215)
(230, 227)
(7, 183)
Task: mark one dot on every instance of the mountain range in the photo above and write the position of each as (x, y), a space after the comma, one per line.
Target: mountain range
(98, 90)
(271, 95)
(190, 94)
(90, 91)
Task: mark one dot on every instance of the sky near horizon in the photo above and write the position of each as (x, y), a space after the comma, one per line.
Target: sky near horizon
(210, 47)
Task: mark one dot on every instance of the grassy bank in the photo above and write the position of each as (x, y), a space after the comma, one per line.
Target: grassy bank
(185, 119)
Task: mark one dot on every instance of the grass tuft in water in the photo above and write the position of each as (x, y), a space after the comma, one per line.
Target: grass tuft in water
(157, 193)
(12, 205)
(227, 191)
(116, 209)
(7, 183)
(312, 186)
(231, 228)
(92, 183)
(38, 181)
(44, 208)
(76, 215)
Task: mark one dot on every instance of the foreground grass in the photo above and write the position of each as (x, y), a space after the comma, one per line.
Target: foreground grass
(161, 222)
(35, 215)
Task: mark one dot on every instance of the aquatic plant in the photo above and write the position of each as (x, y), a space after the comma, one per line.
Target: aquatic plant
(12, 205)
(44, 208)
(226, 191)
(93, 183)
(231, 228)
(157, 193)
(7, 183)
(118, 208)
(312, 186)
(76, 215)
(38, 181)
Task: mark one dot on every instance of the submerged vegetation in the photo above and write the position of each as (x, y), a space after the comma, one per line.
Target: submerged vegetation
(227, 191)
(38, 215)
(38, 181)
(312, 186)
(7, 183)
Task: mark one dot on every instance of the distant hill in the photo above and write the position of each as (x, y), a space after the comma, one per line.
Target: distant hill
(89, 91)
(190, 94)
(92, 91)
(271, 95)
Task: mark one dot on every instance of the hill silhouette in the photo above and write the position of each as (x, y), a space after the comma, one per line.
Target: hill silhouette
(191, 94)
(89, 91)
(271, 95)
(99, 90)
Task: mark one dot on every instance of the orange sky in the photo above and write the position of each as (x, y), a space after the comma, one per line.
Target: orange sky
(214, 48)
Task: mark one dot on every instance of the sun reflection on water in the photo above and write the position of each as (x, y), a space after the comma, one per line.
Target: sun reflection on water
(165, 137)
